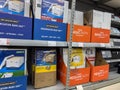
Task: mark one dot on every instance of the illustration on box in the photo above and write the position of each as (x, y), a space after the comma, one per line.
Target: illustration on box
(53, 9)
(12, 6)
(12, 63)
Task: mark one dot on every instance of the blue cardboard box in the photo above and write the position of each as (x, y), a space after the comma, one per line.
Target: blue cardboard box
(49, 30)
(15, 83)
(52, 10)
(15, 27)
(12, 63)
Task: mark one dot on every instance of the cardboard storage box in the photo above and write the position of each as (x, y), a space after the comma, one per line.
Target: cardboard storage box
(101, 69)
(13, 69)
(78, 74)
(18, 7)
(78, 18)
(49, 30)
(80, 33)
(44, 67)
(98, 19)
(90, 54)
(15, 27)
(100, 35)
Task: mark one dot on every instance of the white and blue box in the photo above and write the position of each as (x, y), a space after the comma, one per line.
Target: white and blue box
(13, 69)
(52, 10)
(15, 27)
(49, 30)
(18, 7)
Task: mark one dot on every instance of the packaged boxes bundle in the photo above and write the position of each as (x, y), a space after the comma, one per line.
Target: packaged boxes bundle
(18, 7)
(90, 54)
(52, 10)
(79, 72)
(44, 67)
(13, 68)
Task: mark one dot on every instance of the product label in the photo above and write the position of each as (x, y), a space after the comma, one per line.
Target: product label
(53, 10)
(12, 63)
(45, 60)
(12, 6)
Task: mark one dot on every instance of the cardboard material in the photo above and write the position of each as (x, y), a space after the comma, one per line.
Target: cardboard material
(101, 69)
(78, 18)
(15, 27)
(18, 7)
(80, 33)
(48, 30)
(77, 75)
(100, 35)
(90, 54)
(44, 67)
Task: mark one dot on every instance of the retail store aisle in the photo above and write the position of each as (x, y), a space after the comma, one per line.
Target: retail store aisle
(112, 87)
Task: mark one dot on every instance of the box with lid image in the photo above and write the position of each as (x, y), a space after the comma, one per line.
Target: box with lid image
(12, 62)
(18, 7)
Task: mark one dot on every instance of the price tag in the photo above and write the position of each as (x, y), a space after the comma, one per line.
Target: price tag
(4, 42)
(102, 45)
(80, 44)
(79, 87)
(52, 43)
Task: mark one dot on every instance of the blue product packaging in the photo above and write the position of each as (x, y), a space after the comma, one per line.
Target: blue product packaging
(12, 63)
(15, 27)
(15, 83)
(48, 30)
(18, 7)
(52, 10)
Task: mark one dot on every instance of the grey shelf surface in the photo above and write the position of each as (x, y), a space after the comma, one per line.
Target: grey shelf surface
(112, 60)
(113, 78)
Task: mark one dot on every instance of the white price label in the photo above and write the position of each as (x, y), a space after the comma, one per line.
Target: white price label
(79, 87)
(80, 44)
(4, 42)
(52, 43)
(102, 45)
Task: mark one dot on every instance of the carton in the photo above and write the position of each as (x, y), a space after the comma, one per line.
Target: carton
(101, 69)
(18, 7)
(78, 18)
(100, 35)
(93, 18)
(44, 68)
(15, 27)
(80, 33)
(49, 30)
(78, 75)
(90, 54)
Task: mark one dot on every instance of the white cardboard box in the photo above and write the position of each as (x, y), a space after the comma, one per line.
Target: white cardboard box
(78, 19)
(107, 20)
(66, 8)
(94, 18)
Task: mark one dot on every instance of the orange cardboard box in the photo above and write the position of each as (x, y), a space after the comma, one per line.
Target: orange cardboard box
(100, 35)
(80, 33)
(101, 70)
(77, 76)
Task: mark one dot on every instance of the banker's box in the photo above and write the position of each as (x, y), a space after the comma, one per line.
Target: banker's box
(15, 27)
(44, 69)
(80, 33)
(49, 30)
(16, 7)
(101, 69)
(78, 74)
(100, 35)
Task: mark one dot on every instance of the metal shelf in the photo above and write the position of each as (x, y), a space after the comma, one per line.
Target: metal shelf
(113, 78)
(112, 60)
(115, 34)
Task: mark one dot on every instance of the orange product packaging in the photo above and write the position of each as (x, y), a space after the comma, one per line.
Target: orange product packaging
(80, 33)
(77, 75)
(100, 35)
(101, 69)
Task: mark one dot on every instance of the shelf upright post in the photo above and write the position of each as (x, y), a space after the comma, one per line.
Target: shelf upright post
(70, 43)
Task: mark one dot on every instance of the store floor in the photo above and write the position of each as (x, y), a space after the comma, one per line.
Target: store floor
(111, 87)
